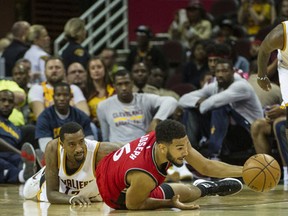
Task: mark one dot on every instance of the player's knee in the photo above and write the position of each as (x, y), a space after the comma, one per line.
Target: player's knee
(258, 126)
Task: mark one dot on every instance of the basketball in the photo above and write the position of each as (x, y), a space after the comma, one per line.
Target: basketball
(261, 172)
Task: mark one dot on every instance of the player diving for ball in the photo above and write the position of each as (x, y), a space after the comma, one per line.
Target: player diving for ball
(132, 177)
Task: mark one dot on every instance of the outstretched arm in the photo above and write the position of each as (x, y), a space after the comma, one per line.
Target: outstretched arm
(273, 41)
(211, 168)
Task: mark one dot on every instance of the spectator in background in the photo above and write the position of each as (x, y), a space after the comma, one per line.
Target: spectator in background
(51, 119)
(19, 96)
(196, 27)
(197, 66)
(18, 46)
(225, 31)
(157, 79)
(99, 86)
(20, 74)
(217, 103)
(75, 33)
(284, 9)
(144, 51)
(12, 139)
(127, 115)
(139, 74)
(256, 14)
(40, 96)
(38, 52)
(77, 75)
(109, 56)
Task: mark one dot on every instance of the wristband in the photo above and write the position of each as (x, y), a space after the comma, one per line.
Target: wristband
(262, 78)
(71, 198)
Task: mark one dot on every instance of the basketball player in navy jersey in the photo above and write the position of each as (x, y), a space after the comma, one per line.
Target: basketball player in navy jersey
(132, 177)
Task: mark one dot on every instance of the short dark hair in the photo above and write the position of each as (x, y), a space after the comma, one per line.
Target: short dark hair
(62, 84)
(225, 61)
(168, 130)
(122, 72)
(69, 128)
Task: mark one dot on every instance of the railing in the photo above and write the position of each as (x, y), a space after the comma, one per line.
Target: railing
(106, 25)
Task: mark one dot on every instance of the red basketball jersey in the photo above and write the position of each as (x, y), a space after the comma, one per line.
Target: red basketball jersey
(112, 170)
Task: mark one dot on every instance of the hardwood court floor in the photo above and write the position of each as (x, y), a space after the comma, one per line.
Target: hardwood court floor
(245, 203)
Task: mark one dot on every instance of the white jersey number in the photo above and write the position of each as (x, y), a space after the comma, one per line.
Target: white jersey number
(119, 153)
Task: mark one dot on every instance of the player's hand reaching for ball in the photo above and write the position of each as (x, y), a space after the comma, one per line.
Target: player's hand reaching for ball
(264, 83)
(183, 206)
(79, 200)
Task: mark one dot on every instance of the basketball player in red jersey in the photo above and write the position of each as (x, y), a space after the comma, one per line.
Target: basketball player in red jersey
(132, 177)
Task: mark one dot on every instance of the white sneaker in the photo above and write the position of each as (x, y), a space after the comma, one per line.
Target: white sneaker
(32, 185)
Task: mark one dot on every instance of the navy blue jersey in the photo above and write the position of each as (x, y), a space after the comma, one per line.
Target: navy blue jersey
(74, 52)
(9, 133)
(48, 123)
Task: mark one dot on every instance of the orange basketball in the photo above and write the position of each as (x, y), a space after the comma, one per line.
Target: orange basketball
(261, 172)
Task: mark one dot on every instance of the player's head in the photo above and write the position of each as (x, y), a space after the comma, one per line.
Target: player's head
(123, 85)
(172, 141)
(6, 103)
(62, 96)
(72, 140)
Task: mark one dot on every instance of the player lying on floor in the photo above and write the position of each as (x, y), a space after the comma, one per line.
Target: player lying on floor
(131, 177)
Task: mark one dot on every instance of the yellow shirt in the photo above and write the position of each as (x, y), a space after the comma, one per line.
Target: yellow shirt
(252, 27)
(16, 117)
(93, 103)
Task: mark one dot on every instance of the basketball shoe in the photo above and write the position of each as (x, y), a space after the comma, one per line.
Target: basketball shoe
(224, 187)
(28, 156)
(32, 185)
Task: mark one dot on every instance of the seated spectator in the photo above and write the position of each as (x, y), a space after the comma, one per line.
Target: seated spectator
(20, 74)
(225, 31)
(40, 96)
(75, 33)
(272, 126)
(109, 56)
(197, 66)
(51, 119)
(216, 106)
(255, 15)
(16, 116)
(240, 63)
(99, 86)
(12, 139)
(156, 79)
(139, 74)
(196, 27)
(18, 46)
(128, 115)
(38, 52)
(77, 75)
(144, 51)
